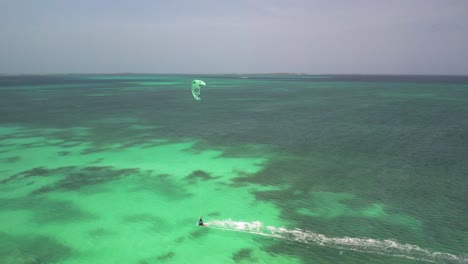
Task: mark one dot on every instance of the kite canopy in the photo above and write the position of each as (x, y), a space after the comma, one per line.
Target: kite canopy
(196, 85)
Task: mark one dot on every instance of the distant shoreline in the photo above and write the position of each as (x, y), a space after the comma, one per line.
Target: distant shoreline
(228, 74)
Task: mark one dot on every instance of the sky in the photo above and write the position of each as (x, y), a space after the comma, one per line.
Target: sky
(242, 36)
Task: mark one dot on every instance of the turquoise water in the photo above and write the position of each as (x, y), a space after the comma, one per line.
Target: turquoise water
(283, 168)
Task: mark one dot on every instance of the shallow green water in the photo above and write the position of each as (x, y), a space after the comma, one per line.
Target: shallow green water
(284, 169)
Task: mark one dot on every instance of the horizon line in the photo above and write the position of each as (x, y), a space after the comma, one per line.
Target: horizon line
(265, 73)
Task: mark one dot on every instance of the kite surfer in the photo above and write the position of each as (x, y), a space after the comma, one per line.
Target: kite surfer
(200, 221)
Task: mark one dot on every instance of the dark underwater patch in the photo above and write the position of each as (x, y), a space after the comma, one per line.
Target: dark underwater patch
(158, 259)
(135, 218)
(152, 222)
(162, 184)
(179, 239)
(62, 211)
(63, 153)
(214, 214)
(38, 171)
(75, 178)
(166, 256)
(32, 249)
(47, 210)
(199, 175)
(98, 233)
(35, 172)
(199, 232)
(12, 159)
(92, 176)
(244, 255)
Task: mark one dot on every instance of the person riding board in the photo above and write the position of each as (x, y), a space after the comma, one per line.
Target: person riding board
(200, 221)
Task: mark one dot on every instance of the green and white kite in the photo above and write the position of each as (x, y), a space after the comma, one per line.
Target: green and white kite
(196, 86)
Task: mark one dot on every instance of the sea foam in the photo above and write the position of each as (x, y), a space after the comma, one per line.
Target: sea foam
(388, 247)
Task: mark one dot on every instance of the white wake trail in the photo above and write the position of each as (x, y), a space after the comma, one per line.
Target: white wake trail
(387, 247)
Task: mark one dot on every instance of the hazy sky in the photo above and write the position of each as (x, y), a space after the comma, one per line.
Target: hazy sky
(241, 36)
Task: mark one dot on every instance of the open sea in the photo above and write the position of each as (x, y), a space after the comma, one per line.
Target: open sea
(283, 169)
